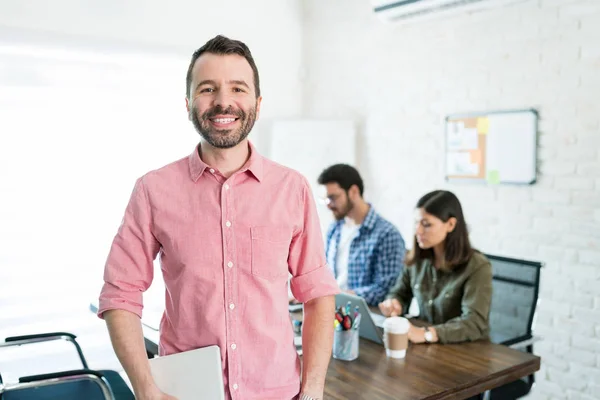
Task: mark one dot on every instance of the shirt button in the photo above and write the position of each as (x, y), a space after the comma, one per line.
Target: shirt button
(228, 224)
(430, 302)
(226, 187)
(230, 264)
(231, 306)
(235, 386)
(233, 346)
(212, 171)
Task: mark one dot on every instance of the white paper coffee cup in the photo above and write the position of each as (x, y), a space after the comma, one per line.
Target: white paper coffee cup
(395, 336)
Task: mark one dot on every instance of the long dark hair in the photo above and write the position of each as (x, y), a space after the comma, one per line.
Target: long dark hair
(444, 205)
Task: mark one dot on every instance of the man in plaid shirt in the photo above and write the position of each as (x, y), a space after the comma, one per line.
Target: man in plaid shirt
(365, 251)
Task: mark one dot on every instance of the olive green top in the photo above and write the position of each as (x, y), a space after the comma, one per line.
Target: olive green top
(456, 302)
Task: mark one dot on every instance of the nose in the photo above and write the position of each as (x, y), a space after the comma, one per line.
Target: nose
(222, 99)
(419, 229)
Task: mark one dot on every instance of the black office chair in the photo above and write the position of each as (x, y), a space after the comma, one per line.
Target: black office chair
(65, 385)
(515, 295)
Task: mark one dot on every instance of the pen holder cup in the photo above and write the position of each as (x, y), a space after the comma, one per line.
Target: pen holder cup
(345, 345)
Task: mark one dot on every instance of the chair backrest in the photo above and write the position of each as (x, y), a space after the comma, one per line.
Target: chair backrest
(67, 385)
(515, 294)
(76, 390)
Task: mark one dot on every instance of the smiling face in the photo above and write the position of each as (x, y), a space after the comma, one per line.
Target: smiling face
(223, 105)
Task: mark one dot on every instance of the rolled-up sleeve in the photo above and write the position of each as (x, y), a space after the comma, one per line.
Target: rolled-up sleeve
(311, 277)
(129, 268)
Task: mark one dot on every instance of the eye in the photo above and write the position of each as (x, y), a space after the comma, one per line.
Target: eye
(238, 90)
(207, 90)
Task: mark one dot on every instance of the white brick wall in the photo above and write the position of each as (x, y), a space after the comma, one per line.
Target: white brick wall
(399, 81)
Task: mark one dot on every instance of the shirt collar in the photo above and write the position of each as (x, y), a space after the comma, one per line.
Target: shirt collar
(255, 164)
(370, 219)
(368, 223)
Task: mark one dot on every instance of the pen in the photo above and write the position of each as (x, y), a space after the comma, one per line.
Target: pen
(356, 322)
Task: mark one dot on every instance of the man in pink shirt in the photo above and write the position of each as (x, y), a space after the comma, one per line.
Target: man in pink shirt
(229, 225)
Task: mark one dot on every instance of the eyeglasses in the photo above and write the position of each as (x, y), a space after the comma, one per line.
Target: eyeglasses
(332, 198)
(329, 199)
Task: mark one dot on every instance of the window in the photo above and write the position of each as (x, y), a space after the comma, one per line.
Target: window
(77, 128)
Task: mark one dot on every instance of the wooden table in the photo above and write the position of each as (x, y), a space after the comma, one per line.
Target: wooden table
(429, 371)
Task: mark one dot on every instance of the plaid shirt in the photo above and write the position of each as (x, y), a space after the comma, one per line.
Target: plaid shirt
(376, 256)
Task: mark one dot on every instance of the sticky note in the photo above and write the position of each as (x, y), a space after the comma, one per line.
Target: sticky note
(483, 125)
(475, 156)
(493, 177)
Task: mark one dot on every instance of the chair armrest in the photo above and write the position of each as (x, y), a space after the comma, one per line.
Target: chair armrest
(36, 381)
(61, 374)
(45, 337)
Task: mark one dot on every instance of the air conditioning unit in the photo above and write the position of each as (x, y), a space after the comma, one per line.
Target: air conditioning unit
(405, 10)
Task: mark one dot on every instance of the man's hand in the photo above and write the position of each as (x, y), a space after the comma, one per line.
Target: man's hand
(390, 308)
(155, 394)
(127, 339)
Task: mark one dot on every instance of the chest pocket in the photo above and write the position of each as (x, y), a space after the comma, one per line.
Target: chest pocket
(419, 292)
(270, 249)
(451, 302)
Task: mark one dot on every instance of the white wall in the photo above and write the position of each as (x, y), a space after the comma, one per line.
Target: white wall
(398, 82)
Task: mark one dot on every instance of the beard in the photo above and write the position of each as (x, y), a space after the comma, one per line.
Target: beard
(340, 215)
(223, 138)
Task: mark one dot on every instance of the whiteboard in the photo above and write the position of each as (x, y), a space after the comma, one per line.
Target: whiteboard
(495, 147)
(310, 146)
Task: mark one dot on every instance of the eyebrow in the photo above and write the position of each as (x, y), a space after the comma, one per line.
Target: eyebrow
(232, 82)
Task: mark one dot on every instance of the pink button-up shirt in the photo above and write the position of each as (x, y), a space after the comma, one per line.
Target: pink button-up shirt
(226, 246)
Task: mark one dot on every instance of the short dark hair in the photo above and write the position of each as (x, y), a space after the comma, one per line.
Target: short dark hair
(222, 45)
(344, 175)
(444, 205)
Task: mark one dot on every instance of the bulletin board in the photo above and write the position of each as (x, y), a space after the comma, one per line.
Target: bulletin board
(496, 147)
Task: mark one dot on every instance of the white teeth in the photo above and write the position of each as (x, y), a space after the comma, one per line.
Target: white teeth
(224, 120)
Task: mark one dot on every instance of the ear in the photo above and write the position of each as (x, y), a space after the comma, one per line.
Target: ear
(451, 224)
(354, 192)
(258, 103)
(187, 107)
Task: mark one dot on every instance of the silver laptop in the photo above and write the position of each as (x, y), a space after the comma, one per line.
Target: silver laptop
(370, 323)
(190, 375)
